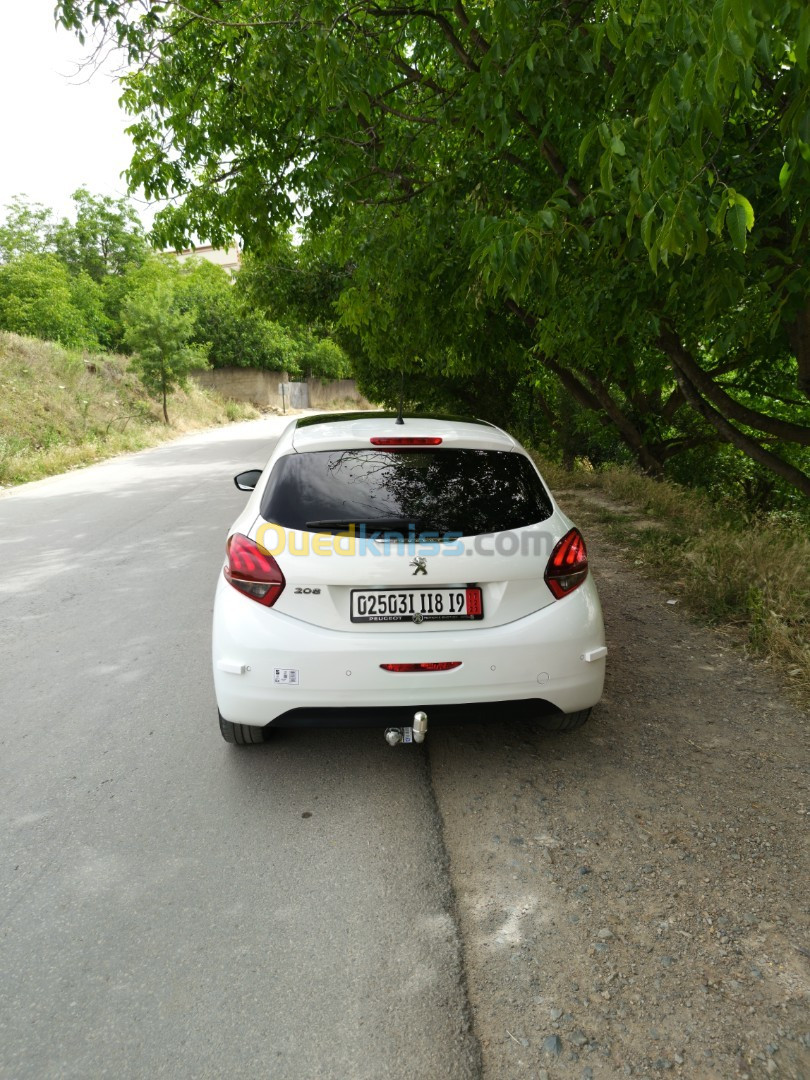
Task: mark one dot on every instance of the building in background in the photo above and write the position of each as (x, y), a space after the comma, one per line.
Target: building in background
(228, 258)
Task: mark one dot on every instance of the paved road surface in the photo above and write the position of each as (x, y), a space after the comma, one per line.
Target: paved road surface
(166, 909)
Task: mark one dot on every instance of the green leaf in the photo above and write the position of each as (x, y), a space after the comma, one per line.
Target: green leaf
(743, 16)
(606, 171)
(647, 223)
(617, 146)
(740, 200)
(734, 43)
(713, 119)
(630, 221)
(735, 221)
(784, 176)
(613, 32)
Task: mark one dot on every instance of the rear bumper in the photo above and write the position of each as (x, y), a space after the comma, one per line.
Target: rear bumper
(537, 659)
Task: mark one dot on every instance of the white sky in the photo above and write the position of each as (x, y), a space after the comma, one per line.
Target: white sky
(58, 131)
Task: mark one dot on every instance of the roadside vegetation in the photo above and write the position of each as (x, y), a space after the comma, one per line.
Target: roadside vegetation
(591, 217)
(746, 571)
(93, 282)
(63, 408)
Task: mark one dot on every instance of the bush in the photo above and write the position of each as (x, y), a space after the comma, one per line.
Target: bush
(322, 358)
(39, 298)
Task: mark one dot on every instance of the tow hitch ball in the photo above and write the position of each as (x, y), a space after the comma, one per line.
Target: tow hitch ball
(396, 735)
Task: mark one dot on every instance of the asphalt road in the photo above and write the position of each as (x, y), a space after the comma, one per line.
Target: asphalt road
(171, 905)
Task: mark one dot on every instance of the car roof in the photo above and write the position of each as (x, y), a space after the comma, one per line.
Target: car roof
(340, 431)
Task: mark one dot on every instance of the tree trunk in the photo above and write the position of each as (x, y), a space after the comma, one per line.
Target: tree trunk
(743, 442)
(596, 398)
(628, 431)
(678, 356)
(165, 410)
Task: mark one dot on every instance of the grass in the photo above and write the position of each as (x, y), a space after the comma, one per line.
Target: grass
(61, 409)
(748, 573)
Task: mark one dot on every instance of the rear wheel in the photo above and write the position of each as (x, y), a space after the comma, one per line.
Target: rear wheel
(240, 734)
(558, 723)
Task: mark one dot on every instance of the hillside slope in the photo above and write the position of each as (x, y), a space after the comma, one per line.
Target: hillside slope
(60, 408)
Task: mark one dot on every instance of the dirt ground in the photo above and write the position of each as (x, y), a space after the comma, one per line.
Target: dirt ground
(633, 897)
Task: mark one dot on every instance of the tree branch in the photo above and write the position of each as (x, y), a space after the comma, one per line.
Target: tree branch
(745, 443)
(597, 398)
(673, 403)
(476, 37)
(415, 76)
(680, 359)
(546, 149)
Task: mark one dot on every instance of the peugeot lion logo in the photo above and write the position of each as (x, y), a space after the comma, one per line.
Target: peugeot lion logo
(421, 565)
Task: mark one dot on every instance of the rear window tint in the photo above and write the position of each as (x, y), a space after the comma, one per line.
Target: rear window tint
(466, 492)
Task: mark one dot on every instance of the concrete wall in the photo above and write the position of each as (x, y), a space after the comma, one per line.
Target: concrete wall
(244, 384)
(326, 392)
(262, 389)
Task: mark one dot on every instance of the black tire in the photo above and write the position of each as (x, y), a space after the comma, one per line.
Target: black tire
(240, 734)
(560, 723)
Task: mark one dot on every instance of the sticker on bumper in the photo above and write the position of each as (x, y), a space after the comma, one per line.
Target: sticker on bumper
(285, 676)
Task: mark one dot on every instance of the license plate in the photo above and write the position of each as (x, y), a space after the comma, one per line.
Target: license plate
(416, 605)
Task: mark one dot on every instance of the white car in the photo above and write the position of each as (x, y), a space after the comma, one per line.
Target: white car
(399, 572)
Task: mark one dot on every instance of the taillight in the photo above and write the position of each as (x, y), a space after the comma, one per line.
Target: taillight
(568, 566)
(405, 440)
(253, 571)
(442, 665)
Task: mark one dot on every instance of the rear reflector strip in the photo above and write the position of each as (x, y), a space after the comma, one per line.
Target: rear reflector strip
(405, 440)
(444, 665)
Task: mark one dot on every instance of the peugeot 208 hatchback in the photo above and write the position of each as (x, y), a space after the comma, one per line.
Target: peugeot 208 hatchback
(400, 573)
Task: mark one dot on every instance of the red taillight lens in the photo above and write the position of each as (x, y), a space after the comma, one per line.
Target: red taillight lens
(253, 571)
(568, 566)
(443, 665)
(405, 440)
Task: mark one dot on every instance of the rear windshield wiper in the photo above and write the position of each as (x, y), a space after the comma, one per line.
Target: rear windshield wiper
(375, 524)
(408, 528)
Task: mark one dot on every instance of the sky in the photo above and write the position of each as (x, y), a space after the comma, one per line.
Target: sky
(59, 129)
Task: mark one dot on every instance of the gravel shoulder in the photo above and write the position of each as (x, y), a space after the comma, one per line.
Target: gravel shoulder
(633, 897)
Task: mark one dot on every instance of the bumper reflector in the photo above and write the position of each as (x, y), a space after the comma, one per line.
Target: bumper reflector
(443, 665)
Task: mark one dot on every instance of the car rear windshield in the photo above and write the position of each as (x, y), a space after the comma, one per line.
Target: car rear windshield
(461, 492)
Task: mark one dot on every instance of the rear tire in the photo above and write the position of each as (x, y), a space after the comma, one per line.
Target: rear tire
(240, 734)
(560, 723)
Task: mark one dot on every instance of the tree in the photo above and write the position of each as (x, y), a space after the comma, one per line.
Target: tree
(232, 330)
(235, 334)
(650, 160)
(298, 284)
(106, 238)
(39, 298)
(98, 250)
(159, 333)
(26, 229)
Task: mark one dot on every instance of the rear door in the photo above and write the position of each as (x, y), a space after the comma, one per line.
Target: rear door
(413, 540)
